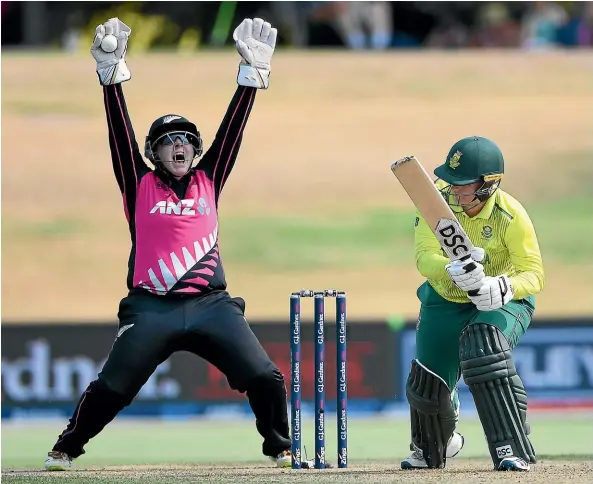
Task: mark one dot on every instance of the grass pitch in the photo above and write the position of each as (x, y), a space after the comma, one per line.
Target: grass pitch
(460, 472)
(229, 451)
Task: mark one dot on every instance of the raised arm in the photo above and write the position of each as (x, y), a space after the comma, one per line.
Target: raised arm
(109, 50)
(128, 164)
(220, 157)
(255, 41)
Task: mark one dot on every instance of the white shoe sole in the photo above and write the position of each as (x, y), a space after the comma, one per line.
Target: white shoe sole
(282, 462)
(57, 467)
(455, 445)
(407, 465)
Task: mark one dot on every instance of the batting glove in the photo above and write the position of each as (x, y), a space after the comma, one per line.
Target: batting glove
(109, 50)
(468, 274)
(255, 41)
(494, 293)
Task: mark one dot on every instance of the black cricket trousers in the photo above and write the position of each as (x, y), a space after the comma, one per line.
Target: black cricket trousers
(151, 328)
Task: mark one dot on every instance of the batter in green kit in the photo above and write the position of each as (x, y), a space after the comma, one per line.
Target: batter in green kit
(472, 314)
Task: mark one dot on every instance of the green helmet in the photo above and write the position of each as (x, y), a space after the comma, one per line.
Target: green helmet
(471, 160)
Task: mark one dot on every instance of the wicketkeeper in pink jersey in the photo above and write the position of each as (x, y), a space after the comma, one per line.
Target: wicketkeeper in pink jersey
(177, 299)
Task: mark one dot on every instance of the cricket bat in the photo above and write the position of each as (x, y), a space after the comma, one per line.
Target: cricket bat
(433, 207)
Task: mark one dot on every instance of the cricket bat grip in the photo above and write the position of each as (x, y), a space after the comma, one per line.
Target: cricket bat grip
(473, 292)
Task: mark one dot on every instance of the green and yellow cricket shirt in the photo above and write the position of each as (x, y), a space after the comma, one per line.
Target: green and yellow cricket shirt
(504, 230)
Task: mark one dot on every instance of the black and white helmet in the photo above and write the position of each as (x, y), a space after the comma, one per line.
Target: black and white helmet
(167, 125)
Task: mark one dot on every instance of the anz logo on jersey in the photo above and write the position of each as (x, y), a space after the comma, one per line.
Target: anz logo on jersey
(183, 207)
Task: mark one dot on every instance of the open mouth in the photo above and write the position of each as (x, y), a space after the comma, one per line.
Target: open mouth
(179, 157)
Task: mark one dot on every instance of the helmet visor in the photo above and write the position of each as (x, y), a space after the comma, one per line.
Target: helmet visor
(171, 137)
(460, 201)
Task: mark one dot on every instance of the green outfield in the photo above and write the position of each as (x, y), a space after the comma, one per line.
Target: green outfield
(330, 239)
(226, 451)
(311, 201)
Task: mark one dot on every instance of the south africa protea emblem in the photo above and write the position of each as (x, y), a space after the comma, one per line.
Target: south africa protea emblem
(454, 160)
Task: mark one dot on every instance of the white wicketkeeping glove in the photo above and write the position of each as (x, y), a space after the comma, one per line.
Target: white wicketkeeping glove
(494, 293)
(255, 41)
(468, 274)
(109, 50)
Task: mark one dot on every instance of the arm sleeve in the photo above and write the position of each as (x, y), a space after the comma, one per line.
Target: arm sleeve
(525, 255)
(220, 158)
(430, 260)
(128, 165)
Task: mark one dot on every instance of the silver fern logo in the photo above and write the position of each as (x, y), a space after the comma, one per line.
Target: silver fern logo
(203, 207)
(123, 329)
(168, 119)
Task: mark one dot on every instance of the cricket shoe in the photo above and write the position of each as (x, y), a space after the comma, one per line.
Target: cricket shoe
(513, 464)
(417, 460)
(58, 461)
(310, 464)
(284, 459)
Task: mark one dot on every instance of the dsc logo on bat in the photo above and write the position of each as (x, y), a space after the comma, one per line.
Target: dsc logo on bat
(453, 239)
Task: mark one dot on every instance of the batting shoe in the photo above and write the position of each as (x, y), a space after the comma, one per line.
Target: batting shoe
(58, 461)
(417, 460)
(513, 464)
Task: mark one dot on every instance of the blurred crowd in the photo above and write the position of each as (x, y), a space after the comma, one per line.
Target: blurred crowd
(541, 25)
(354, 25)
(374, 25)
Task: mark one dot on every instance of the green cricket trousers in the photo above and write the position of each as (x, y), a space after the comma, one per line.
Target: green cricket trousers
(440, 324)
